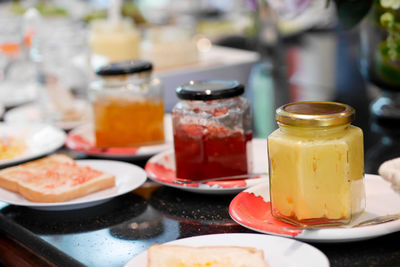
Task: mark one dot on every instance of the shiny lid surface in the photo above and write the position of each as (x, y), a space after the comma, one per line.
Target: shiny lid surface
(209, 90)
(125, 67)
(315, 114)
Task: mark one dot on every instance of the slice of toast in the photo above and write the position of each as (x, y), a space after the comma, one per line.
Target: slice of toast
(56, 178)
(221, 256)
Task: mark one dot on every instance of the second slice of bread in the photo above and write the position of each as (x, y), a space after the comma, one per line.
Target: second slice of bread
(218, 256)
(56, 178)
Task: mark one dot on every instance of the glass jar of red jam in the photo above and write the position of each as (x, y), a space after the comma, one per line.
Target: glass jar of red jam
(128, 105)
(212, 129)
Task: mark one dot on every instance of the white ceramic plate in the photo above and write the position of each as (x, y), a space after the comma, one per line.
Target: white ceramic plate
(15, 92)
(161, 168)
(278, 251)
(127, 177)
(30, 113)
(251, 209)
(82, 139)
(40, 139)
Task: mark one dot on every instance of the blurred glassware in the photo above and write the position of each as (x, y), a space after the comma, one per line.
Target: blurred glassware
(10, 40)
(312, 67)
(115, 38)
(17, 72)
(218, 23)
(296, 16)
(114, 41)
(171, 46)
(60, 50)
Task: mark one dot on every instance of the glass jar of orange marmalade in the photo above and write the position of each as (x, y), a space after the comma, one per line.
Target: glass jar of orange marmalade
(128, 105)
(212, 130)
(316, 164)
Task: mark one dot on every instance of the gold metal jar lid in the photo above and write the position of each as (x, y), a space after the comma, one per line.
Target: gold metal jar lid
(315, 114)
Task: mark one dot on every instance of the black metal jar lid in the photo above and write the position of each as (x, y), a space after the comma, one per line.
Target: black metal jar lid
(209, 90)
(125, 67)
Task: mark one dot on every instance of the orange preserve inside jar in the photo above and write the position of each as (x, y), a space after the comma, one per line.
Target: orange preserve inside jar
(128, 105)
(212, 130)
(316, 164)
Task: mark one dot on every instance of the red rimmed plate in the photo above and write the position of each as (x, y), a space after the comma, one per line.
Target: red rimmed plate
(251, 209)
(82, 139)
(161, 168)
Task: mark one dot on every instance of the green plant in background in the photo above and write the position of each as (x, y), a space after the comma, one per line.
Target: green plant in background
(45, 8)
(390, 46)
(386, 16)
(383, 16)
(129, 9)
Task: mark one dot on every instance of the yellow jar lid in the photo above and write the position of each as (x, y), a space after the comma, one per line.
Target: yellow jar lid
(315, 114)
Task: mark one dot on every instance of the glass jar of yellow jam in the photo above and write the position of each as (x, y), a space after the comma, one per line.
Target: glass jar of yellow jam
(316, 164)
(128, 105)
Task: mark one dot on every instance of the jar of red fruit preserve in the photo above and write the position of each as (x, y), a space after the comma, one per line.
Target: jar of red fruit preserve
(212, 130)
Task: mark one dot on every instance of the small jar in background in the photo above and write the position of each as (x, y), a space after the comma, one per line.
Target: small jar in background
(114, 41)
(169, 46)
(212, 130)
(316, 164)
(128, 105)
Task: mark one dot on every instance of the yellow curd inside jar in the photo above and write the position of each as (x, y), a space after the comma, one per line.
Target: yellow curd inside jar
(316, 164)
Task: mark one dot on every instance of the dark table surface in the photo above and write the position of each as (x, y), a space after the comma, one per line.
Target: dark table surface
(112, 233)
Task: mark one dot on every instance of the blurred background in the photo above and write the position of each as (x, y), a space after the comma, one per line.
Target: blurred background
(283, 51)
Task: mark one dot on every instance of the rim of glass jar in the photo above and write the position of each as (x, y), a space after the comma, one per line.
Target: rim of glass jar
(209, 105)
(206, 90)
(121, 81)
(212, 101)
(315, 131)
(315, 114)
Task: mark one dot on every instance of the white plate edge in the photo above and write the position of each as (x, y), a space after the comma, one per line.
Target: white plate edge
(76, 202)
(56, 131)
(226, 237)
